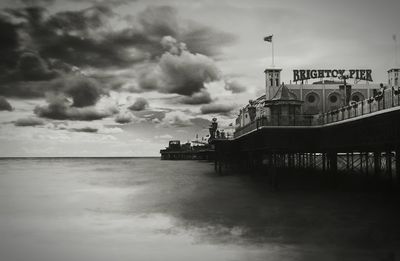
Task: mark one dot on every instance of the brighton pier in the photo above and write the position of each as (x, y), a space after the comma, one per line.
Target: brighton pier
(301, 75)
(273, 133)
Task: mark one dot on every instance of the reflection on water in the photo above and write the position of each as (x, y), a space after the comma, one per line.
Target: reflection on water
(147, 209)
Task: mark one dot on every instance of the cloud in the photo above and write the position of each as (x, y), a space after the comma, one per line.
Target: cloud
(168, 52)
(83, 37)
(5, 105)
(202, 97)
(37, 2)
(139, 105)
(234, 86)
(59, 108)
(31, 67)
(177, 119)
(113, 130)
(9, 44)
(29, 122)
(164, 137)
(206, 40)
(124, 118)
(217, 109)
(184, 73)
(99, 130)
(84, 91)
(85, 129)
(180, 72)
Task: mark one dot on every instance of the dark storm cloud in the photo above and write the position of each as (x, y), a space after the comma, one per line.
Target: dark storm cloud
(59, 108)
(24, 89)
(83, 37)
(181, 72)
(63, 42)
(31, 121)
(8, 44)
(5, 105)
(217, 109)
(139, 105)
(32, 67)
(79, 22)
(84, 91)
(37, 2)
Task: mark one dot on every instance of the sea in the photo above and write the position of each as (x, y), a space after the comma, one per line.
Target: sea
(103, 209)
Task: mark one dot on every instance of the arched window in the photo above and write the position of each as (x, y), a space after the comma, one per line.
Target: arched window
(357, 96)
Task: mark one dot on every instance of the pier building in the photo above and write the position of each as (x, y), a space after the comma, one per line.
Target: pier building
(318, 94)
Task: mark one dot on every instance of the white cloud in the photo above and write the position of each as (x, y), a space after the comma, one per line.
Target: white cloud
(177, 119)
(163, 137)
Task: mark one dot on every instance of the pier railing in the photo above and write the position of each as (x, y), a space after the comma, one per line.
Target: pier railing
(385, 99)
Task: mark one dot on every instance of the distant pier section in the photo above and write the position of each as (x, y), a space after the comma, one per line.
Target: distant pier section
(187, 151)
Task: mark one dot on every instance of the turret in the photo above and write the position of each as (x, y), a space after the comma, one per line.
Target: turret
(393, 77)
(272, 82)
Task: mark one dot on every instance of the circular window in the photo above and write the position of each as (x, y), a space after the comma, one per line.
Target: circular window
(311, 98)
(333, 98)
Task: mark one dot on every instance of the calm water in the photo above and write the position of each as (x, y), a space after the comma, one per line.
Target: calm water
(147, 209)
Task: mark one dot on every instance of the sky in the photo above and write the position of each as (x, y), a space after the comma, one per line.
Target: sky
(122, 78)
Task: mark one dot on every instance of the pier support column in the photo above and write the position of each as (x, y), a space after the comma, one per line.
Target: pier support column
(389, 165)
(352, 161)
(377, 164)
(332, 158)
(398, 166)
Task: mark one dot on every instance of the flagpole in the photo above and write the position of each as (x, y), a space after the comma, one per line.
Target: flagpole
(395, 50)
(273, 62)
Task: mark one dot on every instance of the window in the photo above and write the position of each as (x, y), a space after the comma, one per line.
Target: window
(396, 81)
(333, 98)
(312, 97)
(277, 82)
(271, 82)
(357, 97)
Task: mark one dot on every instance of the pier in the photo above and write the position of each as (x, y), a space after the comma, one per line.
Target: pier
(361, 138)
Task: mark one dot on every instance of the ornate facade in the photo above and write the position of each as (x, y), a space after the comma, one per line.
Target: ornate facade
(317, 97)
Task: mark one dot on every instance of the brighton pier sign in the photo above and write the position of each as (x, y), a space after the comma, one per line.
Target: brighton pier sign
(301, 75)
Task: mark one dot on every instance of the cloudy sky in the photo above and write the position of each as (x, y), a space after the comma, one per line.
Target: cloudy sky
(122, 77)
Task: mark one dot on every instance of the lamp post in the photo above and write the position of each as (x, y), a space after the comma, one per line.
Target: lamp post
(346, 91)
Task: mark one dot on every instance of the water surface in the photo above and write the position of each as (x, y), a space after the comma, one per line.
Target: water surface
(147, 209)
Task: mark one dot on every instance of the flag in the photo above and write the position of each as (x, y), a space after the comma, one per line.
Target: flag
(268, 38)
